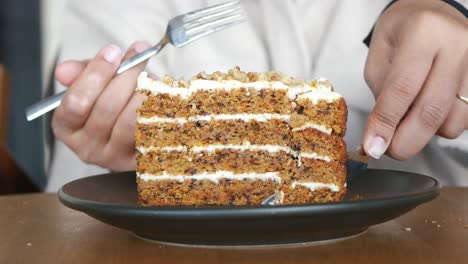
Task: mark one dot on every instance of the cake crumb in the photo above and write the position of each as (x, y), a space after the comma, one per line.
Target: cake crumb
(425, 221)
(438, 226)
(29, 244)
(434, 222)
(408, 229)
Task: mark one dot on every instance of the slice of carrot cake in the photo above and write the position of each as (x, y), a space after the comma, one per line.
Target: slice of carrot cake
(235, 138)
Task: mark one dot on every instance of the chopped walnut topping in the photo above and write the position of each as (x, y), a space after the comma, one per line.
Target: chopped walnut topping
(184, 83)
(324, 82)
(168, 79)
(217, 76)
(261, 76)
(299, 82)
(285, 79)
(313, 83)
(237, 75)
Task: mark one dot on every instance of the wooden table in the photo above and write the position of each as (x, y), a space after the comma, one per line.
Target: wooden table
(38, 229)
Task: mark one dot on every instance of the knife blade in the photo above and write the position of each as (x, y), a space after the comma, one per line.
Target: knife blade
(357, 162)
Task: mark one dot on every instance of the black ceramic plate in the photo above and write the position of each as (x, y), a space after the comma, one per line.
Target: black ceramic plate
(373, 197)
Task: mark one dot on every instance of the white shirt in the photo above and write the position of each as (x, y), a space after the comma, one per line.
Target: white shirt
(303, 38)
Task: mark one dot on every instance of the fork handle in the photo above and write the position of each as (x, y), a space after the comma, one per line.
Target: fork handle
(45, 105)
(50, 103)
(137, 59)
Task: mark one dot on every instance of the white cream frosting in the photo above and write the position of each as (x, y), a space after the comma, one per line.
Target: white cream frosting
(159, 87)
(233, 84)
(214, 177)
(157, 119)
(311, 155)
(144, 150)
(321, 91)
(296, 90)
(281, 197)
(144, 83)
(316, 185)
(244, 147)
(320, 128)
(316, 95)
(265, 117)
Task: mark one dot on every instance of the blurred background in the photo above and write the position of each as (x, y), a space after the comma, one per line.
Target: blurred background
(29, 42)
(28, 45)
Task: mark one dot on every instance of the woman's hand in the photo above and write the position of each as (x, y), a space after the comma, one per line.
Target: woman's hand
(97, 116)
(417, 64)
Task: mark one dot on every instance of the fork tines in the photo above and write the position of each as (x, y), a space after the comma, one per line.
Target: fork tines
(209, 10)
(209, 20)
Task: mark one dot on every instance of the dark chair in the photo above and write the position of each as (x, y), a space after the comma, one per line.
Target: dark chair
(13, 180)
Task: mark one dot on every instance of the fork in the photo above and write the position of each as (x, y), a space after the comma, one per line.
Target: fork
(180, 31)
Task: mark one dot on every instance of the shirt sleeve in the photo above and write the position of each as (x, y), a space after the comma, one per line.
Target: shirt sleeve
(459, 6)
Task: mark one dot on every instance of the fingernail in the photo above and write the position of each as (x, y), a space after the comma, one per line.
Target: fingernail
(112, 53)
(377, 147)
(141, 46)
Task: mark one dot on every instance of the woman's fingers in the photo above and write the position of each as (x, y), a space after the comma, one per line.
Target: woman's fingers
(114, 99)
(67, 72)
(78, 102)
(378, 62)
(457, 120)
(408, 71)
(97, 116)
(429, 110)
(123, 135)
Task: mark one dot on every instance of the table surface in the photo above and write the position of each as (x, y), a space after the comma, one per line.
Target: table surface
(37, 228)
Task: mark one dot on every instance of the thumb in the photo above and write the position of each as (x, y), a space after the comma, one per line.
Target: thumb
(67, 72)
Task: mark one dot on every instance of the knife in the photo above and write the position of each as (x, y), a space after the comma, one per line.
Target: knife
(355, 165)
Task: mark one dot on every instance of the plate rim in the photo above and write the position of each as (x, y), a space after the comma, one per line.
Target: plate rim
(243, 212)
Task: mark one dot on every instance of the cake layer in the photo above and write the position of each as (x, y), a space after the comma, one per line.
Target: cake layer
(214, 176)
(314, 170)
(314, 141)
(316, 91)
(191, 163)
(312, 192)
(204, 192)
(332, 115)
(244, 117)
(240, 100)
(274, 132)
(289, 164)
